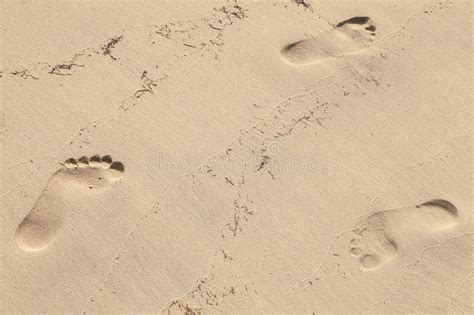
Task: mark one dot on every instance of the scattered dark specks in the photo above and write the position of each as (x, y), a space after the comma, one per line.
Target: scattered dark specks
(304, 4)
(371, 28)
(107, 48)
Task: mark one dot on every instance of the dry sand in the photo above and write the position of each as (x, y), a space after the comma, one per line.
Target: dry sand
(236, 157)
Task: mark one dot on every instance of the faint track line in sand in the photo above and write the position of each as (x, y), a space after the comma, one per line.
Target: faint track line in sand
(97, 47)
(138, 222)
(234, 141)
(195, 55)
(156, 205)
(23, 179)
(204, 279)
(404, 24)
(455, 291)
(323, 260)
(420, 256)
(401, 275)
(123, 31)
(116, 257)
(307, 92)
(43, 66)
(418, 164)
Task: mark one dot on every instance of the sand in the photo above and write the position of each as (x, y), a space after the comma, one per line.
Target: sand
(199, 157)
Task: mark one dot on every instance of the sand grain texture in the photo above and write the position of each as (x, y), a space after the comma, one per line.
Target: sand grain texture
(236, 157)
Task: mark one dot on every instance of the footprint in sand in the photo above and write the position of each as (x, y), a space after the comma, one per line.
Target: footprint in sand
(374, 243)
(349, 36)
(43, 222)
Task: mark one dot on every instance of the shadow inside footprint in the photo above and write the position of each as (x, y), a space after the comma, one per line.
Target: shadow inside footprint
(354, 20)
(442, 204)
